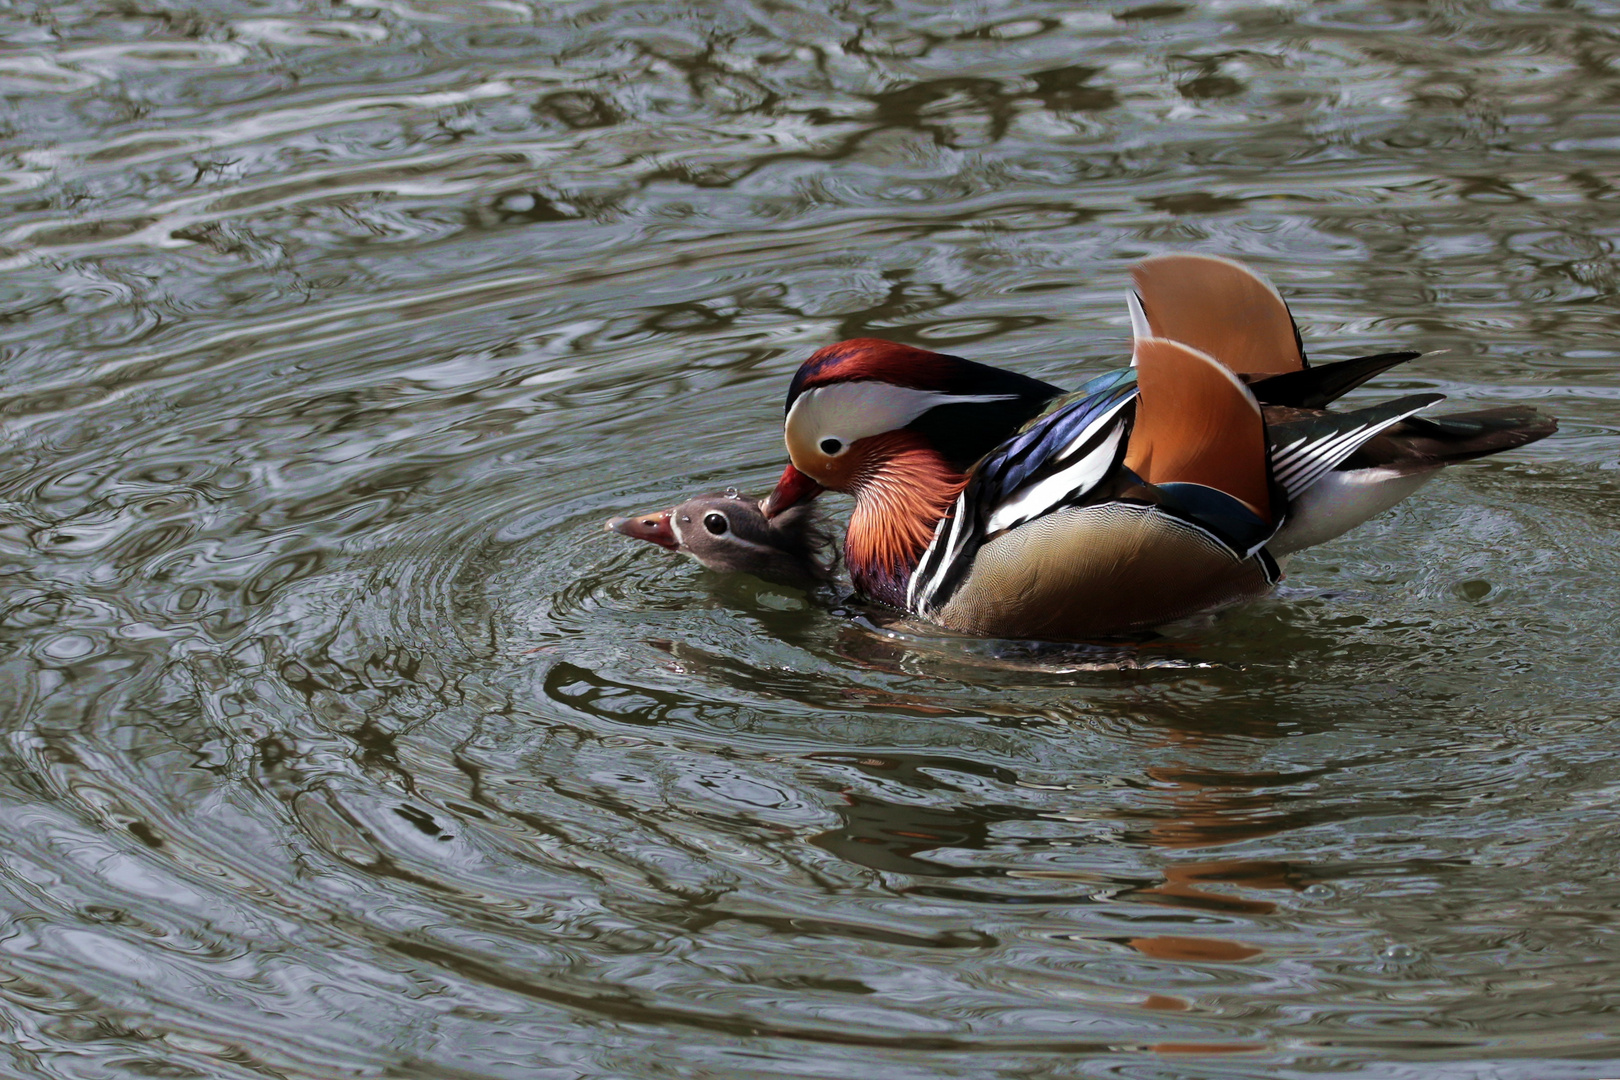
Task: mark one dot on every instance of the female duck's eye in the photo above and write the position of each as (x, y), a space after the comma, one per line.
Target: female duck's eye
(831, 447)
(716, 524)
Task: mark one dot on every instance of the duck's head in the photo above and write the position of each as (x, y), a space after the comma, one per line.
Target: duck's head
(899, 428)
(730, 533)
(858, 407)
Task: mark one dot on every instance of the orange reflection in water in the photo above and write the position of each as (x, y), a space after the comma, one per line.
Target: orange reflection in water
(1202, 809)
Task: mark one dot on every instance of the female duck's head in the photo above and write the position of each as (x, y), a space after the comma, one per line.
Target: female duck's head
(730, 533)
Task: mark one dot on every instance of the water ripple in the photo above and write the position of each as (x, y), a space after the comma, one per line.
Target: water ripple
(340, 738)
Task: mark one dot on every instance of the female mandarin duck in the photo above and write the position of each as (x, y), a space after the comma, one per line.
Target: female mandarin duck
(729, 533)
(992, 503)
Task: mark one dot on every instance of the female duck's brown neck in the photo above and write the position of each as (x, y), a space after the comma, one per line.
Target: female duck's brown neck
(899, 498)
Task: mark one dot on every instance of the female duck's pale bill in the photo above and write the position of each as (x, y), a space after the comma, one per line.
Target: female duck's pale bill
(993, 503)
(729, 533)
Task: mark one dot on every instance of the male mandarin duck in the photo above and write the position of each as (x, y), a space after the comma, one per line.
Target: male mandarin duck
(730, 533)
(992, 503)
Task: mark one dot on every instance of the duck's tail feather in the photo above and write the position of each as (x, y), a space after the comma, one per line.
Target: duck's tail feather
(1319, 386)
(1424, 441)
(1395, 462)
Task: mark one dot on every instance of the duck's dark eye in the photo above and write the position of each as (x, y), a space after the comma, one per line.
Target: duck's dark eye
(830, 447)
(716, 524)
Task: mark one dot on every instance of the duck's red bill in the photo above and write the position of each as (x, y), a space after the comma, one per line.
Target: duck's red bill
(793, 489)
(653, 528)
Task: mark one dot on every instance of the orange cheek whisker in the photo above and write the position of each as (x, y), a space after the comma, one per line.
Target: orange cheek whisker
(901, 491)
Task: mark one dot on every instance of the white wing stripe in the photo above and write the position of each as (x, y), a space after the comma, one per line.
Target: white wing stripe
(1300, 473)
(1090, 431)
(1298, 469)
(1323, 450)
(1036, 500)
(1292, 460)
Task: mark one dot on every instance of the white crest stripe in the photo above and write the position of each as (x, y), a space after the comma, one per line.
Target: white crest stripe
(851, 411)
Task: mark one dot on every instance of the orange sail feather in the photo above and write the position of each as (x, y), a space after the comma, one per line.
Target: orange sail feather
(1221, 308)
(1197, 424)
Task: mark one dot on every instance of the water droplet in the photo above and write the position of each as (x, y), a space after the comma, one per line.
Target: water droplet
(733, 493)
(1318, 891)
(1400, 953)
